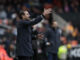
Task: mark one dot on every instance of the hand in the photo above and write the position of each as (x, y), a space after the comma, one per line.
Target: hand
(48, 43)
(40, 36)
(47, 11)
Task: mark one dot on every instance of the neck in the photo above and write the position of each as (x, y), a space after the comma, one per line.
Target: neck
(55, 27)
(26, 19)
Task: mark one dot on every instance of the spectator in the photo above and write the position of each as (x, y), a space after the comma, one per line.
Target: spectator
(53, 37)
(3, 53)
(69, 28)
(3, 14)
(66, 7)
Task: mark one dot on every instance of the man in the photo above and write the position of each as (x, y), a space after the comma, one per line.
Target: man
(3, 53)
(24, 49)
(53, 41)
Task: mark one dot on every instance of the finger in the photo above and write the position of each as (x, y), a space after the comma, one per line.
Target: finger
(49, 11)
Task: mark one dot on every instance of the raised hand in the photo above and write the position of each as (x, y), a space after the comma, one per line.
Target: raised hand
(47, 11)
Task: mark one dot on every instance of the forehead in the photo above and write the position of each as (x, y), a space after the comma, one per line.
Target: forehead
(26, 12)
(54, 23)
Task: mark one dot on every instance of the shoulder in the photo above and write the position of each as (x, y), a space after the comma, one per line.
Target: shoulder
(19, 23)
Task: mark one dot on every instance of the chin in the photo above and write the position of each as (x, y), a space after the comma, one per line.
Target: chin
(28, 18)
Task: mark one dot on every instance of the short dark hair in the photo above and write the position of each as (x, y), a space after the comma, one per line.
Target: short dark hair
(20, 14)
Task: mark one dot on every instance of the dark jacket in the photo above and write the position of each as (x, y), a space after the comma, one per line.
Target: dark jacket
(53, 36)
(24, 38)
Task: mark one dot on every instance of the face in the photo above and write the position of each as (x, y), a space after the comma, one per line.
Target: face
(54, 24)
(27, 15)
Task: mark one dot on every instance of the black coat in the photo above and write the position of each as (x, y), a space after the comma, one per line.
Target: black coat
(24, 38)
(53, 36)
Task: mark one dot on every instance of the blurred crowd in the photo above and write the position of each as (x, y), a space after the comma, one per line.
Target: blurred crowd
(67, 6)
(9, 10)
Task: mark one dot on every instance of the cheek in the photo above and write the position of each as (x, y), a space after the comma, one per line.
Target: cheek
(27, 15)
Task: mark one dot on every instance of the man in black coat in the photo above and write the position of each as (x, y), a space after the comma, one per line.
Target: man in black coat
(24, 49)
(53, 41)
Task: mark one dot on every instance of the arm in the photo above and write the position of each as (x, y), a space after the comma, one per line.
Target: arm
(49, 40)
(32, 22)
(38, 19)
(46, 38)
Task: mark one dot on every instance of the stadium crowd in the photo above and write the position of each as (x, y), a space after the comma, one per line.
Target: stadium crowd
(9, 10)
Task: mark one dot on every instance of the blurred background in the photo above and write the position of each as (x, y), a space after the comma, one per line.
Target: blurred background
(65, 12)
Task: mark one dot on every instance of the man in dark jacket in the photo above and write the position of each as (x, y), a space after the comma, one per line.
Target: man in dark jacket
(53, 41)
(24, 49)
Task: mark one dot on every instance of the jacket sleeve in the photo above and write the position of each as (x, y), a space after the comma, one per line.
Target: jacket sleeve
(48, 37)
(34, 21)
